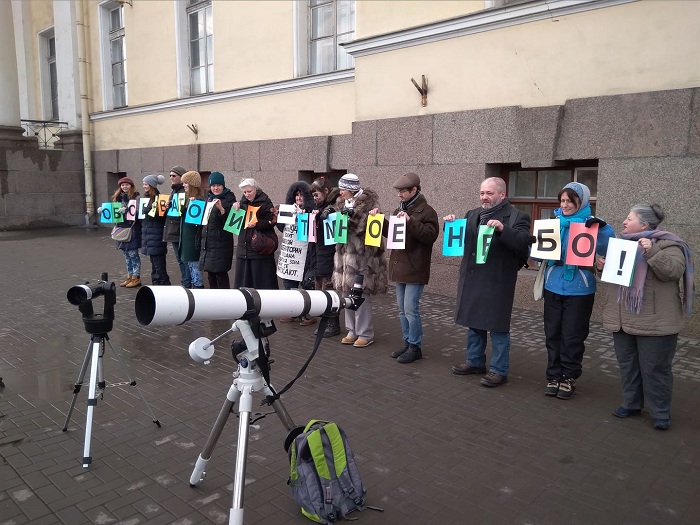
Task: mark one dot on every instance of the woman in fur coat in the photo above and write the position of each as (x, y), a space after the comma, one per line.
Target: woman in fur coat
(355, 258)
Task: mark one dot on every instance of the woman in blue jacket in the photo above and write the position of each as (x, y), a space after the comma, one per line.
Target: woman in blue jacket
(569, 292)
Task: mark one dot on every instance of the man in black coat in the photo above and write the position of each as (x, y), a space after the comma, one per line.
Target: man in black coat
(485, 291)
(171, 229)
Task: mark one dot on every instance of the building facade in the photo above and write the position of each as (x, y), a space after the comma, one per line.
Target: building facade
(540, 92)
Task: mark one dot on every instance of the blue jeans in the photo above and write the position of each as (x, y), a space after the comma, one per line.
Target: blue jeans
(195, 274)
(407, 298)
(500, 350)
(184, 268)
(133, 262)
(289, 284)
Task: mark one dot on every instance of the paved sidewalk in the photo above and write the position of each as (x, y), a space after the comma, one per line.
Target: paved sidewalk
(433, 448)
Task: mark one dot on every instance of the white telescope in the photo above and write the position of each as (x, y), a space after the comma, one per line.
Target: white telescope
(174, 305)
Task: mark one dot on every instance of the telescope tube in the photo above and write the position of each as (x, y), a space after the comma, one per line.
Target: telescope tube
(174, 305)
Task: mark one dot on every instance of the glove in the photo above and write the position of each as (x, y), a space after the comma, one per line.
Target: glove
(531, 239)
(99, 210)
(595, 220)
(122, 210)
(349, 212)
(325, 213)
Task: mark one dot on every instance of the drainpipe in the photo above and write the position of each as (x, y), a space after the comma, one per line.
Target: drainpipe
(84, 114)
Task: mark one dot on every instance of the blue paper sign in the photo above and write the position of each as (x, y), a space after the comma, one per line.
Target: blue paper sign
(454, 238)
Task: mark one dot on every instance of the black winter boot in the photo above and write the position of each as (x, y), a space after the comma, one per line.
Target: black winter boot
(399, 351)
(412, 354)
(333, 326)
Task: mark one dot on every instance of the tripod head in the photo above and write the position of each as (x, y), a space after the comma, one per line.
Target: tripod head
(82, 295)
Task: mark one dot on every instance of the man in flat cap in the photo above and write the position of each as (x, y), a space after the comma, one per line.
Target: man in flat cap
(410, 268)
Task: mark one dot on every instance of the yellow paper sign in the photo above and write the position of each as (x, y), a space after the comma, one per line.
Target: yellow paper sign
(251, 215)
(373, 233)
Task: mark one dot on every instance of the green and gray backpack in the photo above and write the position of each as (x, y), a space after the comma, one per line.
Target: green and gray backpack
(324, 477)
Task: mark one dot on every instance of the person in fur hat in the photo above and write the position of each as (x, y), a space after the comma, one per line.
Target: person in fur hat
(355, 258)
(292, 263)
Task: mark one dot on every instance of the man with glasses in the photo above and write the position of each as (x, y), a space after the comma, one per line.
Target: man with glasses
(171, 231)
(410, 268)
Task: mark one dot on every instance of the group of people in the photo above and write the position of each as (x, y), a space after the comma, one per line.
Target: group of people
(645, 317)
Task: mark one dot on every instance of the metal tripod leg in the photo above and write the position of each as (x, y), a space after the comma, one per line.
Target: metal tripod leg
(198, 474)
(97, 347)
(78, 385)
(133, 383)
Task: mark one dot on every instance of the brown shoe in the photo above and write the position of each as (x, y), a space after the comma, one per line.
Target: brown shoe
(465, 369)
(348, 339)
(361, 342)
(492, 380)
(307, 322)
(136, 281)
(287, 319)
(127, 280)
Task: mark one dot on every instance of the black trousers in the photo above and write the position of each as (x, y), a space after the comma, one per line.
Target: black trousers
(218, 280)
(566, 326)
(159, 273)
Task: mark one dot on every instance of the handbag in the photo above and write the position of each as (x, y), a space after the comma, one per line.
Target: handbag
(538, 287)
(121, 233)
(264, 242)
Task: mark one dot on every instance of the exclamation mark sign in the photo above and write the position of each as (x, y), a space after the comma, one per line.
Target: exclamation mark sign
(622, 262)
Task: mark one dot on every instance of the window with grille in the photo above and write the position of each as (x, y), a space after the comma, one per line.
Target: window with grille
(201, 46)
(117, 53)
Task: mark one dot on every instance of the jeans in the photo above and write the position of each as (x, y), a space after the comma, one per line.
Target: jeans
(289, 284)
(566, 326)
(133, 262)
(646, 373)
(407, 298)
(500, 350)
(184, 267)
(195, 274)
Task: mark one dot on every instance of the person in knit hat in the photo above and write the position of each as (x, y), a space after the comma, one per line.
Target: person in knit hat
(569, 292)
(190, 236)
(152, 243)
(355, 258)
(171, 230)
(125, 194)
(216, 255)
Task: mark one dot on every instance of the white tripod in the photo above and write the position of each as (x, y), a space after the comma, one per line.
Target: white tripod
(247, 379)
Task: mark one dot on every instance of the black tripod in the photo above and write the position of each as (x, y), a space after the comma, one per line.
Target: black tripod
(98, 326)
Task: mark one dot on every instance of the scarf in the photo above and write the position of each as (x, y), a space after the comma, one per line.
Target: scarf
(486, 213)
(564, 221)
(632, 296)
(403, 206)
(350, 203)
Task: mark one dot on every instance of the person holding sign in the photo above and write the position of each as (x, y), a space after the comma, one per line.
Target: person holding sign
(356, 258)
(485, 291)
(190, 237)
(321, 254)
(216, 255)
(647, 316)
(153, 223)
(569, 289)
(171, 230)
(124, 195)
(292, 261)
(253, 269)
(409, 268)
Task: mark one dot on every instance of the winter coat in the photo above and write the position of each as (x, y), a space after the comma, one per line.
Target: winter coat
(485, 291)
(216, 254)
(583, 282)
(266, 222)
(321, 255)
(171, 230)
(355, 258)
(662, 311)
(189, 240)
(152, 232)
(135, 242)
(412, 265)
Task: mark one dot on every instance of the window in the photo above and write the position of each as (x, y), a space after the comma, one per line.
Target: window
(321, 28)
(48, 75)
(113, 55)
(201, 46)
(535, 190)
(117, 51)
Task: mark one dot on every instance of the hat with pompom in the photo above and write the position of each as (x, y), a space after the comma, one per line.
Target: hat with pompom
(154, 180)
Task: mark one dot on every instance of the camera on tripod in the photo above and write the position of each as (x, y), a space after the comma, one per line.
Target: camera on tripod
(81, 295)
